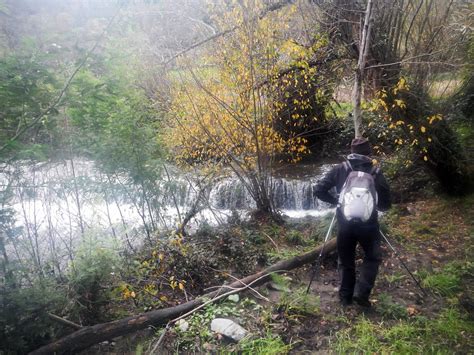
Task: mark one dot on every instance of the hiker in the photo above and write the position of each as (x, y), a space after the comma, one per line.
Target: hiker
(357, 218)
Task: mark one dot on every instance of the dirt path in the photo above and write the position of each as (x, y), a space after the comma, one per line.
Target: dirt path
(427, 236)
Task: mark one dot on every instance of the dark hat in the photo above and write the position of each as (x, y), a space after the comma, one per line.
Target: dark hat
(361, 146)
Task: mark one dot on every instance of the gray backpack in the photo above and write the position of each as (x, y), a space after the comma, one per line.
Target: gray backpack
(358, 197)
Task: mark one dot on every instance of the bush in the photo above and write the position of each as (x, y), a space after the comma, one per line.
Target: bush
(24, 315)
(89, 277)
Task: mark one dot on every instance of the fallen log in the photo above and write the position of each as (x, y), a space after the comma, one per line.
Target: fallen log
(90, 335)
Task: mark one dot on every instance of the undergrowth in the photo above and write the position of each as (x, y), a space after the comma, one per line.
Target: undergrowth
(448, 281)
(447, 333)
(270, 344)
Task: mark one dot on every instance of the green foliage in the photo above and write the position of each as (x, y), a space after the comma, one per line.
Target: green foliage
(89, 277)
(24, 315)
(281, 280)
(389, 309)
(295, 237)
(395, 278)
(177, 265)
(139, 349)
(408, 180)
(419, 335)
(199, 331)
(27, 87)
(114, 125)
(26, 297)
(270, 344)
(448, 281)
(286, 253)
(198, 338)
(298, 303)
(323, 226)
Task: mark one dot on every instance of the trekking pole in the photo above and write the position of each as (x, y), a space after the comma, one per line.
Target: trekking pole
(404, 265)
(318, 260)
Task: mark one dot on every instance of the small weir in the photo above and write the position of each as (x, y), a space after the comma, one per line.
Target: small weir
(54, 204)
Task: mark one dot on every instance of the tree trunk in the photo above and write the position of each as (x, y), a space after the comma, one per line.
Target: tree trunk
(88, 336)
(359, 76)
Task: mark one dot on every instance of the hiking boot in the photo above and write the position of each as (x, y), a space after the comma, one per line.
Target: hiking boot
(345, 301)
(362, 301)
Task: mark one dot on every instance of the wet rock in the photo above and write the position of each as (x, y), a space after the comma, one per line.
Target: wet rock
(228, 328)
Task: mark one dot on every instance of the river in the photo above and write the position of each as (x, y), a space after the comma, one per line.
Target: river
(59, 204)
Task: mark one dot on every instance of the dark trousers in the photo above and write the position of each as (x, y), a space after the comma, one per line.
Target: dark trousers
(368, 236)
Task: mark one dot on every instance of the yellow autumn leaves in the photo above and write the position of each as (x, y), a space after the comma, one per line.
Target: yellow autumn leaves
(227, 112)
(405, 131)
(152, 278)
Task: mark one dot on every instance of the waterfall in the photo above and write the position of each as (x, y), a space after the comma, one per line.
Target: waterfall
(287, 194)
(56, 206)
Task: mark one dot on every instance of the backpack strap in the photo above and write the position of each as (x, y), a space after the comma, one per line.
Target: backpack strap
(347, 166)
(374, 171)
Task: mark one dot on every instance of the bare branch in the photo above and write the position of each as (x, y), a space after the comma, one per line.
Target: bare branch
(271, 8)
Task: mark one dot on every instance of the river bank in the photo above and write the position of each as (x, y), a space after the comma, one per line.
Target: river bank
(434, 239)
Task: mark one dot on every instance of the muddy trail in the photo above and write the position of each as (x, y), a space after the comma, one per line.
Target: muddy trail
(313, 332)
(427, 237)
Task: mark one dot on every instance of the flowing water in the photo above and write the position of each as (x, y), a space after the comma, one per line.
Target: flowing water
(59, 204)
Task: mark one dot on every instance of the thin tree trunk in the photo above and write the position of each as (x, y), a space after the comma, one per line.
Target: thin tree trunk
(5, 264)
(148, 205)
(173, 195)
(106, 199)
(52, 242)
(76, 197)
(29, 235)
(35, 225)
(359, 76)
(127, 238)
(140, 211)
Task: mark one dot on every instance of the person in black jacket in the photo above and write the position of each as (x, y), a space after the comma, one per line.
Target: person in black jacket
(366, 234)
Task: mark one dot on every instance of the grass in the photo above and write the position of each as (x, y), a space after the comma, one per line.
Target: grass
(342, 109)
(445, 220)
(268, 345)
(447, 333)
(390, 309)
(199, 326)
(395, 278)
(298, 303)
(295, 237)
(448, 281)
(287, 252)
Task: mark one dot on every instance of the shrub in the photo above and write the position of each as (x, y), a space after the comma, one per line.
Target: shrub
(89, 280)
(24, 315)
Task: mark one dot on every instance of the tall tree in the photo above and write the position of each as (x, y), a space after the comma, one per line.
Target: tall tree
(234, 111)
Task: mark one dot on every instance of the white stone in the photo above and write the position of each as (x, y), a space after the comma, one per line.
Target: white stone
(228, 328)
(183, 325)
(233, 298)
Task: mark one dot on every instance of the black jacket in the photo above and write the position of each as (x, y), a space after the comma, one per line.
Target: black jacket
(337, 176)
